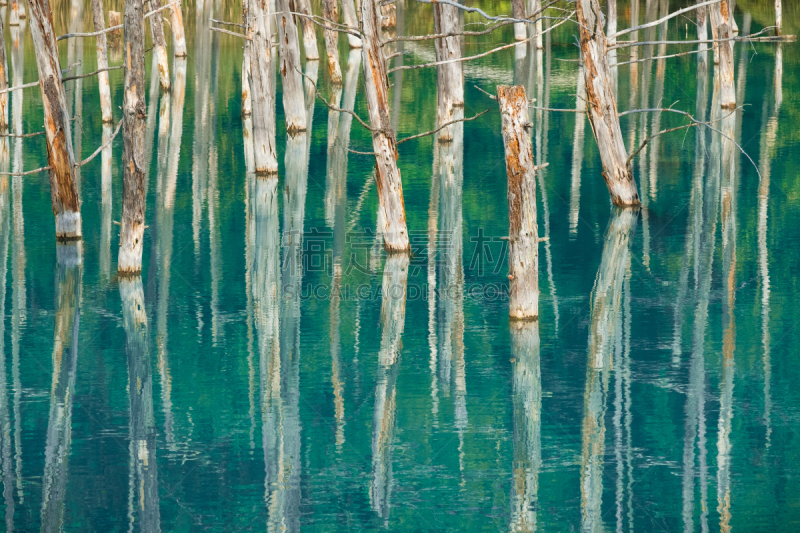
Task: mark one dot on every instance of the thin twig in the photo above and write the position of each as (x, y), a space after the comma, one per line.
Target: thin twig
(482, 13)
(35, 83)
(663, 19)
(23, 135)
(418, 135)
(333, 107)
(113, 28)
(360, 153)
(98, 71)
(224, 23)
(552, 109)
(313, 18)
(659, 57)
(109, 141)
(643, 43)
(493, 97)
(243, 36)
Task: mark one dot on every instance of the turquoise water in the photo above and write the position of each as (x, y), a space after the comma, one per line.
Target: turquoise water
(253, 378)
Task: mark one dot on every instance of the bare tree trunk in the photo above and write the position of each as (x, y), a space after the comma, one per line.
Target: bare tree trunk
(102, 60)
(603, 114)
(331, 42)
(720, 19)
(247, 103)
(450, 82)
(534, 6)
(387, 175)
(577, 154)
(293, 99)
(266, 160)
(160, 45)
(63, 187)
(351, 20)
(131, 235)
(389, 16)
(523, 234)
(178, 37)
(778, 17)
(17, 12)
(702, 29)
(3, 83)
(309, 36)
(518, 12)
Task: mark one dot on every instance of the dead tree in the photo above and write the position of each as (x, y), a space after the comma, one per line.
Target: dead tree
(720, 19)
(293, 99)
(602, 106)
(778, 17)
(518, 12)
(523, 234)
(160, 45)
(535, 6)
(3, 83)
(17, 12)
(247, 102)
(351, 21)
(450, 80)
(131, 235)
(331, 40)
(266, 161)
(384, 144)
(64, 194)
(309, 36)
(178, 37)
(102, 60)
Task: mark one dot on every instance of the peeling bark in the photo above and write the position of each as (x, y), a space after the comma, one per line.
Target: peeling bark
(721, 21)
(266, 161)
(293, 100)
(523, 234)
(159, 44)
(102, 61)
(331, 42)
(178, 37)
(309, 35)
(450, 81)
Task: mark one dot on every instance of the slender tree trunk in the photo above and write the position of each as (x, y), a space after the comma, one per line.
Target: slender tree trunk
(3, 83)
(518, 12)
(351, 20)
(720, 19)
(603, 114)
(17, 12)
(309, 36)
(131, 235)
(389, 16)
(159, 44)
(523, 234)
(387, 175)
(247, 102)
(102, 60)
(266, 161)
(293, 99)
(702, 29)
(778, 17)
(534, 6)
(63, 186)
(331, 42)
(178, 37)
(450, 82)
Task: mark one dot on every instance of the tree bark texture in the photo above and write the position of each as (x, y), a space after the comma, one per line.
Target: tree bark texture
(247, 102)
(702, 28)
(778, 17)
(450, 81)
(351, 20)
(17, 12)
(309, 35)
(293, 100)
(535, 6)
(102, 61)
(178, 37)
(3, 83)
(523, 234)
(266, 160)
(389, 16)
(387, 175)
(603, 114)
(131, 235)
(64, 194)
(721, 19)
(159, 44)
(518, 12)
(331, 42)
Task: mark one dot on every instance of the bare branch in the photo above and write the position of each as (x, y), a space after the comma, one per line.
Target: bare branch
(493, 97)
(243, 36)
(360, 153)
(418, 135)
(323, 23)
(109, 141)
(663, 19)
(113, 28)
(559, 110)
(333, 107)
(482, 13)
(95, 73)
(746, 38)
(35, 83)
(23, 135)
(657, 57)
(224, 23)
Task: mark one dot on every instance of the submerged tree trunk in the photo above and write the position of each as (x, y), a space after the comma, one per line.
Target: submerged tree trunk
(387, 175)
(131, 235)
(602, 105)
(266, 161)
(331, 40)
(351, 21)
(247, 102)
(293, 99)
(523, 234)
(178, 37)
(309, 36)
(450, 82)
(102, 60)
(720, 19)
(518, 12)
(778, 18)
(63, 186)
(3, 85)
(534, 8)
(159, 44)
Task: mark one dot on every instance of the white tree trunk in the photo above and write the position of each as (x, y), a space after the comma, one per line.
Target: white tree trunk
(720, 19)
(523, 233)
(351, 20)
(63, 186)
(602, 105)
(3, 85)
(309, 36)
(293, 100)
(387, 175)
(178, 37)
(518, 12)
(102, 61)
(534, 6)
(266, 161)
(778, 17)
(450, 81)
(331, 42)
(160, 46)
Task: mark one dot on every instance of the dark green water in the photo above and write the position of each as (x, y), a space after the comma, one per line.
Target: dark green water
(658, 392)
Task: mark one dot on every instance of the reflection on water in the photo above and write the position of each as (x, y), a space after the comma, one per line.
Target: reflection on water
(219, 392)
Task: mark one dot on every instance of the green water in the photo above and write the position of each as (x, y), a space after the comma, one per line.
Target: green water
(658, 391)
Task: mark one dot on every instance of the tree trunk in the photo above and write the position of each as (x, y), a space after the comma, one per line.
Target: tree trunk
(778, 18)
(309, 36)
(160, 46)
(131, 235)
(450, 82)
(351, 21)
(602, 105)
(518, 12)
(17, 12)
(178, 37)
(535, 6)
(266, 161)
(63, 187)
(102, 60)
(523, 234)
(387, 175)
(293, 100)
(106, 202)
(577, 154)
(247, 103)
(702, 30)
(3, 83)
(720, 19)
(331, 42)
(389, 16)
